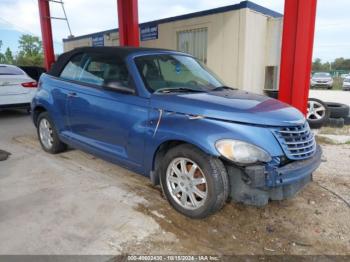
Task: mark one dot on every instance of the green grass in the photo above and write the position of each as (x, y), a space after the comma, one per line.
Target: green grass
(337, 84)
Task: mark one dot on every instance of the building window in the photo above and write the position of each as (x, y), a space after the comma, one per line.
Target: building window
(271, 76)
(194, 42)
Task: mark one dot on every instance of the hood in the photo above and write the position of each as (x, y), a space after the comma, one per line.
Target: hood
(230, 105)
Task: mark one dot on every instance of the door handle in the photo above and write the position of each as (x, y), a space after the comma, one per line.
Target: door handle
(72, 94)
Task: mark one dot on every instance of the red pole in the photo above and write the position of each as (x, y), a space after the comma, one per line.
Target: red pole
(297, 46)
(46, 33)
(128, 23)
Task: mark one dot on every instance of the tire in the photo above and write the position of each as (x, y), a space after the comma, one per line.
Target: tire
(4, 155)
(335, 122)
(347, 121)
(55, 145)
(317, 119)
(338, 110)
(215, 188)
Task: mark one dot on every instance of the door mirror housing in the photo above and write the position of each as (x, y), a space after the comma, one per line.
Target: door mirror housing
(117, 86)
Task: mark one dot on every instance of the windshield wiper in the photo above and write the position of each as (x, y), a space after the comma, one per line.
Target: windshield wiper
(176, 89)
(219, 88)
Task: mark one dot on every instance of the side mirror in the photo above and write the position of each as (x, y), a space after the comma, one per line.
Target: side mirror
(116, 86)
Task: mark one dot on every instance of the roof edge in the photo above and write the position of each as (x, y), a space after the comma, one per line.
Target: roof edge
(241, 5)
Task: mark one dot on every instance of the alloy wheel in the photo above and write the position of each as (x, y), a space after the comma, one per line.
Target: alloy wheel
(45, 132)
(186, 183)
(315, 110)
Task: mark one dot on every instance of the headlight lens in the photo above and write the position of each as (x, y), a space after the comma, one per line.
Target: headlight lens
(241, 152)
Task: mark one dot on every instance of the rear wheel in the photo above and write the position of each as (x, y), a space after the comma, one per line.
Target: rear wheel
(194, 183)
(48, 136)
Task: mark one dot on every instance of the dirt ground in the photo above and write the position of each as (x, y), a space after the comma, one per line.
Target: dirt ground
(73, 203)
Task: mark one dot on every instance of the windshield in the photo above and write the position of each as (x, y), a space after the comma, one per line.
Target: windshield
(322, 75)
(177, 72)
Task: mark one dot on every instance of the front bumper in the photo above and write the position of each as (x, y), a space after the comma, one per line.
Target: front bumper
(346, 87)
(319, 84)
(256, 185)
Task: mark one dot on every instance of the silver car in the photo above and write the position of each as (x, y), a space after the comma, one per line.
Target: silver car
(322, 79)
(346, 84)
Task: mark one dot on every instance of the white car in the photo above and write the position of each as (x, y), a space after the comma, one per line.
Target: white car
(346, 84)
(17, 89)
(343, 76)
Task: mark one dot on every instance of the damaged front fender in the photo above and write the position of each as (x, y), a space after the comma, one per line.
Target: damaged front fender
(166, 126)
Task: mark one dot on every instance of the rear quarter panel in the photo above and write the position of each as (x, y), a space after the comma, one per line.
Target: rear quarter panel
(51, 95)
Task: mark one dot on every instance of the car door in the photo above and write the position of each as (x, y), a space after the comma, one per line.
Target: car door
(61, 89)
(108, 122)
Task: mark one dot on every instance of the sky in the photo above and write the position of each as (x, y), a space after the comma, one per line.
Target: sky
(332, 39)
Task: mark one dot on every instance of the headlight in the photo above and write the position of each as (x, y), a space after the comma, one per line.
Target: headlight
(241, 152)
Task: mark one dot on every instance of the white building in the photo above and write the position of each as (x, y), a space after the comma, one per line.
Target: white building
(241, 43)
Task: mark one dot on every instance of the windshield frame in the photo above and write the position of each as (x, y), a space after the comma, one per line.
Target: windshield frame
(151, 91)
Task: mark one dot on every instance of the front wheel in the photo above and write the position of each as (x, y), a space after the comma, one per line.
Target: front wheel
(194, 183)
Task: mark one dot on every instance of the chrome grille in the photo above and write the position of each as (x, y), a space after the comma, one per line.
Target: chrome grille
(298, 142)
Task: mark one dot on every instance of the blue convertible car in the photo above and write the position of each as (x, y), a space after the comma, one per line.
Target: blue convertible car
(163, 114)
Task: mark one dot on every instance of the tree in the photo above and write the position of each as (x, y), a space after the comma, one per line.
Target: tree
(341, 64)
(326, 66)
(2, 57)
(30, 45)
(317, 65)
(30, 51)
(8, 56)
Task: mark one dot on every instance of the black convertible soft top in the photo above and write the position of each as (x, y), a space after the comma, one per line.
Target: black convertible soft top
(120, 52)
